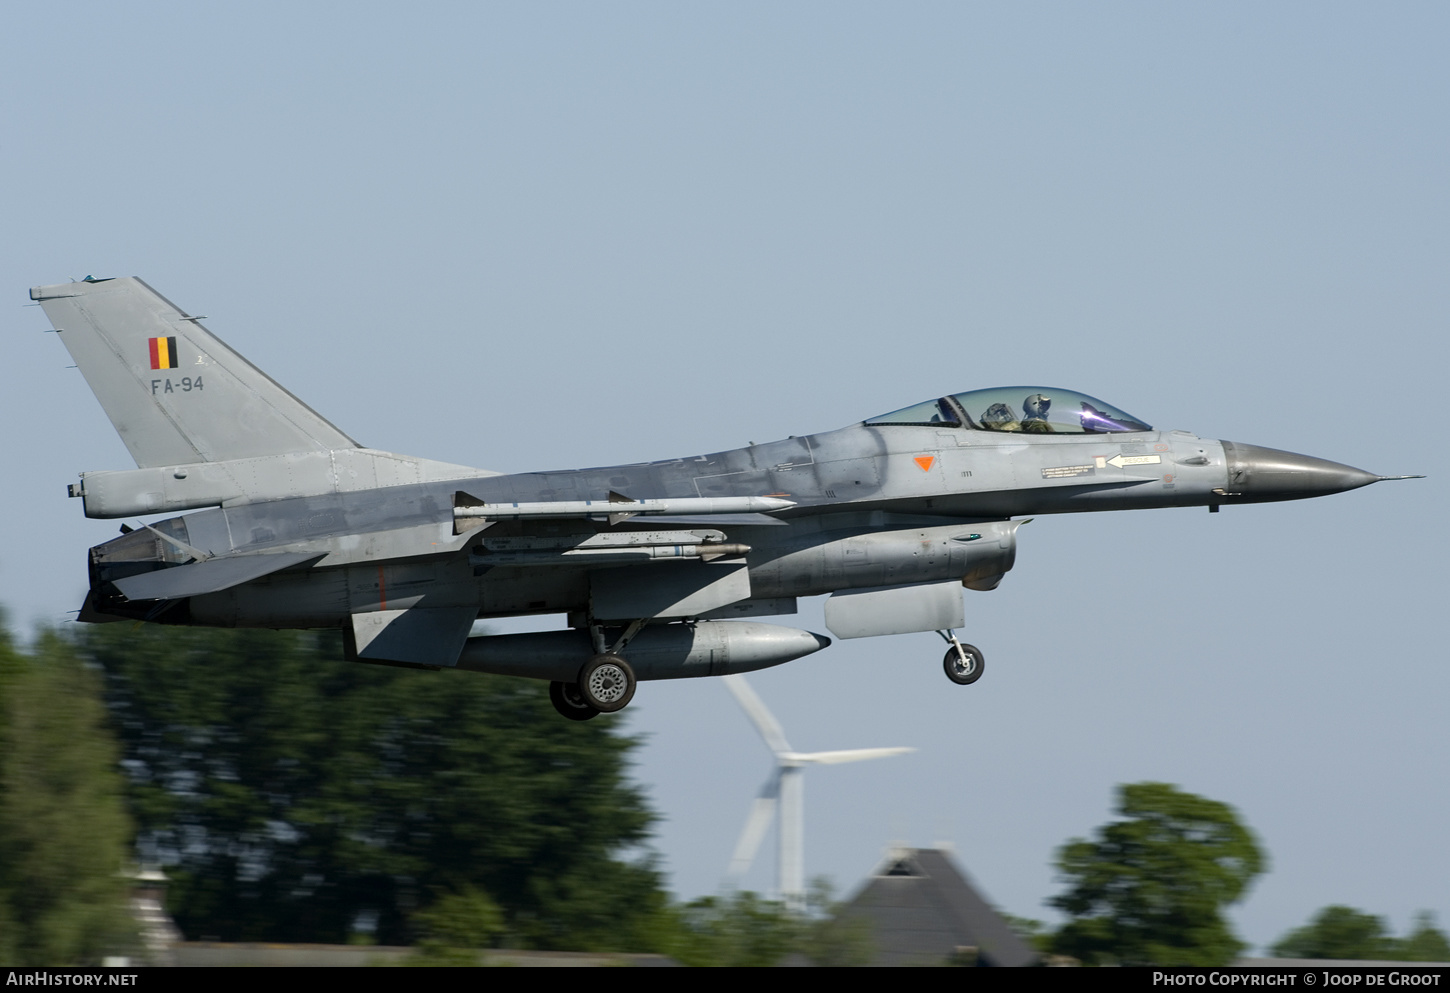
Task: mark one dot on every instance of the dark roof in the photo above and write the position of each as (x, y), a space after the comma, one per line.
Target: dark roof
(922, 911)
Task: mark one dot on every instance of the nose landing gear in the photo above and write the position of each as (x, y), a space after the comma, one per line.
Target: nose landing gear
(964, 664)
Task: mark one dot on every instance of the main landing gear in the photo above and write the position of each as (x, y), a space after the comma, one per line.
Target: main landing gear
(964, 664)
(605, 684)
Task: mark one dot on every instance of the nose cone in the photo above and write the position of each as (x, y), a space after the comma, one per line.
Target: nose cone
(1258, 475)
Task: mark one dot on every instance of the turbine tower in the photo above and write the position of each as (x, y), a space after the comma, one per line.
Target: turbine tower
(785, 788)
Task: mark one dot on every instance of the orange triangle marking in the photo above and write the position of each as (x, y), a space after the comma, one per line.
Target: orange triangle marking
(925, 462)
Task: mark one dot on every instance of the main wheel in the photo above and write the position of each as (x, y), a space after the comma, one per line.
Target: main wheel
(606, 683)
(568, 701)
(964, 665)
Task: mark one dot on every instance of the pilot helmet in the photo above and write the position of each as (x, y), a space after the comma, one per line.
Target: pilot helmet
(1035, 407)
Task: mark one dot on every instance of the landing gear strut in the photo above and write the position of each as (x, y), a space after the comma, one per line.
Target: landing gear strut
(964, 664)
(605, 684)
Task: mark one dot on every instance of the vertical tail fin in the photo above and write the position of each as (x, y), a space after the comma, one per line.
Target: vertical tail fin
(175, 392)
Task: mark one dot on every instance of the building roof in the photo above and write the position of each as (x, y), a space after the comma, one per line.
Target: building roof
(923, 911)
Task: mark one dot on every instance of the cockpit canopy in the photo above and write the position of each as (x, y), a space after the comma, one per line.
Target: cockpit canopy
(1029, 409)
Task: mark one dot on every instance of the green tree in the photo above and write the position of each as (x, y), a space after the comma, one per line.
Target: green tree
(746, 931)
(293, 796)
(455, 927)
(829, 936)
(1339, 932)
(1426, 942)
(739, 930)
(1036, 933)
(1151, 889)
(64, 835)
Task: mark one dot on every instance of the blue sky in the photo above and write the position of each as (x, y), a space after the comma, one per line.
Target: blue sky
(528, 236)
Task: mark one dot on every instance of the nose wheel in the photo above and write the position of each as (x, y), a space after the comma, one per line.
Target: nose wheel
(963, 664)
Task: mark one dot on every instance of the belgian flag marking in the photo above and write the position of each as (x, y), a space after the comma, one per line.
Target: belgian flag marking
(163, 353)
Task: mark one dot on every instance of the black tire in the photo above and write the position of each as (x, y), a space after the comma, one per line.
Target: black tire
(607, 683)
(568, 701)
(965, 669)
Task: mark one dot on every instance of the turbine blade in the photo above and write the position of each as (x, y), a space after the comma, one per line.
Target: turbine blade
(763, 719)
(848, 755)
(761, 813)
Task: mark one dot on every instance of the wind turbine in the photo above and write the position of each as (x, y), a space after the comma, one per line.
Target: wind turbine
(784, 787)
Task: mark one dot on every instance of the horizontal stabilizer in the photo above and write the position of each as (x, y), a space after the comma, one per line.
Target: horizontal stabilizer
(209, 576)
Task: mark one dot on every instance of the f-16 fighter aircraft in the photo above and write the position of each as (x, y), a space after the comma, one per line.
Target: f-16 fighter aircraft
(661, 568)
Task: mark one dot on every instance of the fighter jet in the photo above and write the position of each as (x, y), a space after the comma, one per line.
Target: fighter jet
(661, 568)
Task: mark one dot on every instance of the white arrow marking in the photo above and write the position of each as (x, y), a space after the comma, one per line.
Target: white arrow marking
(1122, 460)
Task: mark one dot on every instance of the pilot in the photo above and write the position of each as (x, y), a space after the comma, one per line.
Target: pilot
(1034, 410)
(999, 417)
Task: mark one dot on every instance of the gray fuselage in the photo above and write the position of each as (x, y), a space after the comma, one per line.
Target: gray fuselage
(875, 506)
